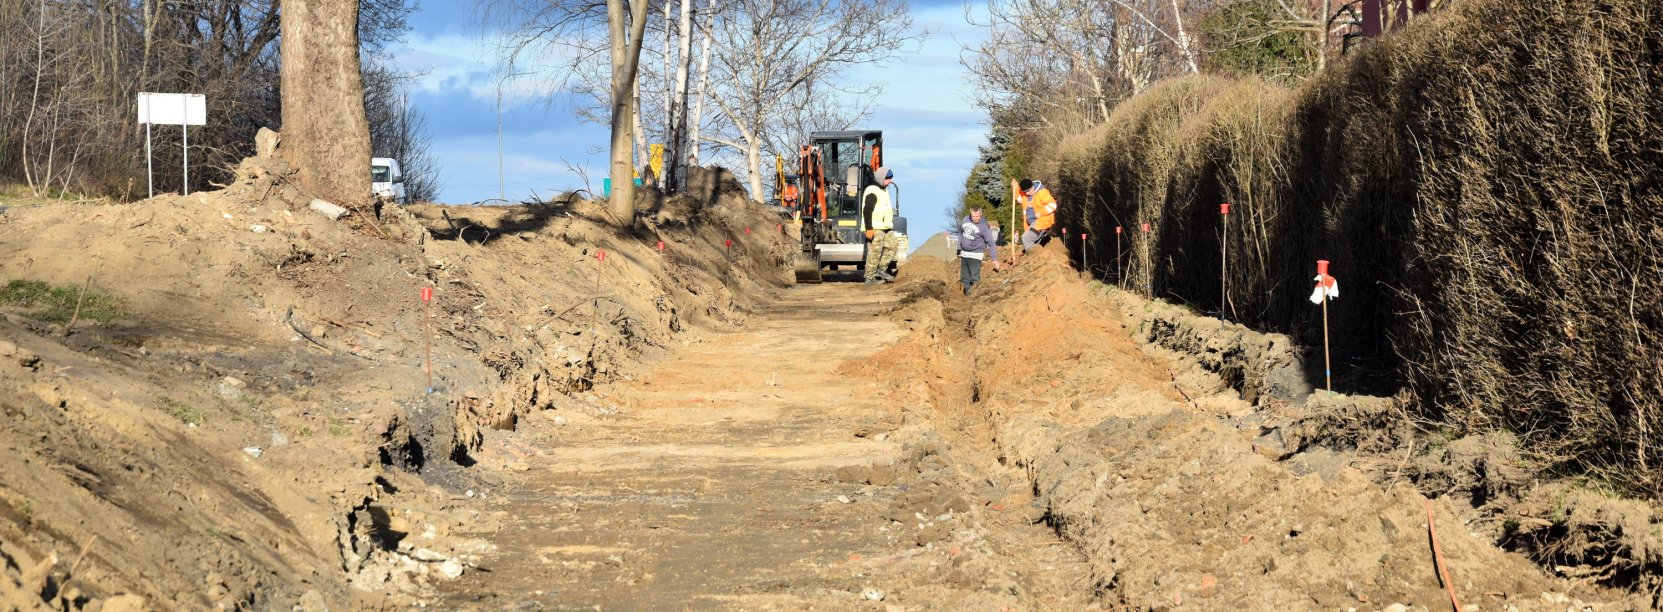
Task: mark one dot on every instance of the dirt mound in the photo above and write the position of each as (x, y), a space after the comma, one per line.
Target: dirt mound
(1149, 460)
(1197, 515)
(938, 246)
(253, 425)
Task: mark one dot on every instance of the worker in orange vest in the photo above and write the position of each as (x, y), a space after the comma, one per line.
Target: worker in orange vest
(788, 197)
(1039, 211)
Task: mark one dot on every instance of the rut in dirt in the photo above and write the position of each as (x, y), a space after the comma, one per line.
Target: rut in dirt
(724, 479)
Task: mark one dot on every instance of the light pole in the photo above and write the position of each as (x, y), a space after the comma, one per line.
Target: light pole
(502, 191)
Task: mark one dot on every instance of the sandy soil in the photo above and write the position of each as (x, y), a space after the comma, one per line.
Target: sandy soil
(681, 428)
(747, 471)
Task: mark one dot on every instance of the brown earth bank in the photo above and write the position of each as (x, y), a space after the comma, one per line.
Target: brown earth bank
(1500, 266)
(1189, 460)
(248, 422)
(240, 417)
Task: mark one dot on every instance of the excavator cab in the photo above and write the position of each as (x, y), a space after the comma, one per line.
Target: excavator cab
(833, 170)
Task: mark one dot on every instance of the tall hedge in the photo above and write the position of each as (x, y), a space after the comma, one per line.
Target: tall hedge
(1488, 185)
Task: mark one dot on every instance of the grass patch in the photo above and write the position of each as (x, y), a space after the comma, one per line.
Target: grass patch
(184, 412)
(56, 304)
(19, 194)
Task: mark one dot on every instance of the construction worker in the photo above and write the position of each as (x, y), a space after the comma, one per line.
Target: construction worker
(976, 241)
(788, 197)
(1039, 211)
(879, 219)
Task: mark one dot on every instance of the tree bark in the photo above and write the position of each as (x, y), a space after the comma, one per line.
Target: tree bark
(641, 154)
(1184, 39)
(669, 68)
(753, 161)
(696, 119)
(678, 105)
(625, 27)
(1322, 34)
(326, 135)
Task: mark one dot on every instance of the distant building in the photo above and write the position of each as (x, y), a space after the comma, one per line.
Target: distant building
(1381, 16)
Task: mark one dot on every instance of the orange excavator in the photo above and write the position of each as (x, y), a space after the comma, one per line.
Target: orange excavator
(828, 206)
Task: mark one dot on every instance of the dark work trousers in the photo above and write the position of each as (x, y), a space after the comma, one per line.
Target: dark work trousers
(970, 273)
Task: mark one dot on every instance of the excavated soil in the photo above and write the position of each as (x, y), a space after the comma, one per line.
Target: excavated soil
(746, 471)
(1129, 422)
(678, 427)
(255, 427)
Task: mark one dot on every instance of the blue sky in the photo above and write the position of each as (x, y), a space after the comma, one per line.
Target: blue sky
(930, 127)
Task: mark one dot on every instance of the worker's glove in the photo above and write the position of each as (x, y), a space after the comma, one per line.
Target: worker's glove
(871, 233)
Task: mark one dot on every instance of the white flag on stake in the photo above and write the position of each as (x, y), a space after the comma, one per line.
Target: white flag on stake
(1326, 285)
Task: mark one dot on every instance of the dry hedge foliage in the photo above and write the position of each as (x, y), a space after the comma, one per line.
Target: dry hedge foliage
(1489, 186)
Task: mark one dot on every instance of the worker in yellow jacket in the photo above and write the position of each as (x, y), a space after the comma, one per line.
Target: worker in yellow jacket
(878, 217)
(1039, 211)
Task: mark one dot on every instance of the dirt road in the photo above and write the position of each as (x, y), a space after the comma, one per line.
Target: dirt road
(717, 483)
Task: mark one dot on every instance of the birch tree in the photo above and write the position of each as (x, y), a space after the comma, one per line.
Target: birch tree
(677, 100)
(779, 59)
(696, 119)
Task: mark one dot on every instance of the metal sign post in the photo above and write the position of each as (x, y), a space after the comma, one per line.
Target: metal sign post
(183, 110)
(149, 173)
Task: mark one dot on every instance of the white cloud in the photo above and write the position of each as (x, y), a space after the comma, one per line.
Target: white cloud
(931, 125)
(451, 62)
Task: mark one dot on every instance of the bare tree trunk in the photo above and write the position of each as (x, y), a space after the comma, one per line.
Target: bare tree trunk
(1322, 33)
(640, 158)
(678, 107)
(669, 68)
(326, 135)
(150, 17)
(753, 162)
(1184, 39)
(625, 25)
(696, 120)
(34, 99)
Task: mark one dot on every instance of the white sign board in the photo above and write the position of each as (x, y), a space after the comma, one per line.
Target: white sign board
(173, 109)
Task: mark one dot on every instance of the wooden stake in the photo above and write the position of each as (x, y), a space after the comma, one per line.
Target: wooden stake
(1119, 276)
(1014, 236)
(1224, 261)
(1327, 367)
(1322, 286)
(1148, 265)
(1083, 266)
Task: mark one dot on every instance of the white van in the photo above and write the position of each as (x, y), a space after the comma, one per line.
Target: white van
(386, 181)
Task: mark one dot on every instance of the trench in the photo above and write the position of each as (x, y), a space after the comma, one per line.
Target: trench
(762, 466)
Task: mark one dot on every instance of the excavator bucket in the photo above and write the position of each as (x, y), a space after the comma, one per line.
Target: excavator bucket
(807, 265)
